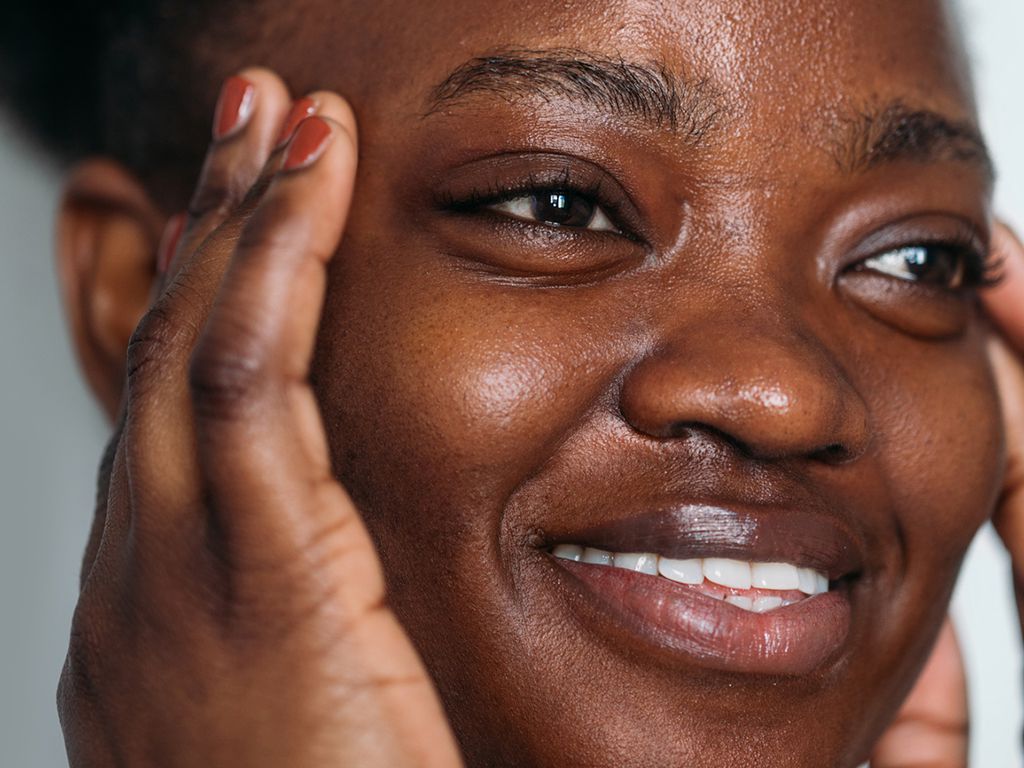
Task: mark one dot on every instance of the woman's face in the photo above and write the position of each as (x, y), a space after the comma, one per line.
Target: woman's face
(746, 330)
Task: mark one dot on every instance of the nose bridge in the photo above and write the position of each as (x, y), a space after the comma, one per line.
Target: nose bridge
(764, 382)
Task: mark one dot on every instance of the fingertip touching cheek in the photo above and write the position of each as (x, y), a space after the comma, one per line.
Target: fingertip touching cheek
(652, 358)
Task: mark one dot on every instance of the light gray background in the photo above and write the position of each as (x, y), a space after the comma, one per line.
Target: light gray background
(51, 438)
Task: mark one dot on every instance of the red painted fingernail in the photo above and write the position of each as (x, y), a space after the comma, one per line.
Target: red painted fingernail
(309, 142)
(169, 242)
(300, 110)
(234, 106)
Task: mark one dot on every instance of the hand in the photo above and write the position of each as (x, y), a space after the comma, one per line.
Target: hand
(232, 609)
(932, 726)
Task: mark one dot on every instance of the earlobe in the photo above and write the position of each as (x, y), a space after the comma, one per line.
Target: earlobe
(107, 235)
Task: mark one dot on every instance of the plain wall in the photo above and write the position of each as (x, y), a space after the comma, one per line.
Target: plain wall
(51, 438)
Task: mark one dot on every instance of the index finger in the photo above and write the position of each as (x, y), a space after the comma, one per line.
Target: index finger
(260, 442)
(157, 356)
(1005, 306)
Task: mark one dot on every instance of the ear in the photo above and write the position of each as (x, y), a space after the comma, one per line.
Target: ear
(108, 231)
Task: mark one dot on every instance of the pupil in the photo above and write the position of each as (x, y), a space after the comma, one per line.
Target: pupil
(563, 208)
(933, 264)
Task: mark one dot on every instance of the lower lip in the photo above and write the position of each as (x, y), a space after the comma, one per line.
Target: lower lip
(668, 617)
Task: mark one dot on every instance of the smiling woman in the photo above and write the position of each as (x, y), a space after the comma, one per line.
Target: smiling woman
(601, 415)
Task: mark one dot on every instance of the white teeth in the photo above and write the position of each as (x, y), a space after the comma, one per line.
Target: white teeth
(808, 580)
(746, 603)
(728, 573)
(642, 562)
(683, 571)
(597, 556)
(568, 552)
(821, 583)
(764, 604)
(722, 571)
(774, 576)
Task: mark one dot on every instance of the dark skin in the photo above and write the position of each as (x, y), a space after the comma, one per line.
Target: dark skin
(478, 388)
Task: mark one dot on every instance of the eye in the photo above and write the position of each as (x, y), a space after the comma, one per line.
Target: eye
(945, 266)
(561, 208)
(919, 275)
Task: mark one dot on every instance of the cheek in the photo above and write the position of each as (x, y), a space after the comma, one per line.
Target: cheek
(452, 391)
(948, 454)
(940, 449)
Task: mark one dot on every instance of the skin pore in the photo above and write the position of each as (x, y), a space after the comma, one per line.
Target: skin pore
(724, 334)
(712, 358)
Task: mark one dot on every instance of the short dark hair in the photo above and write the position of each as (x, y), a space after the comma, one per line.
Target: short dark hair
(130, 79)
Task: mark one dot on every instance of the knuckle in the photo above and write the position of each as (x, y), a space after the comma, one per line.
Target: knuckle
(280, 234)
(226, 378)
(155, 346)
(146, 346)
(216, 195)
(224, 183)
(279, 227)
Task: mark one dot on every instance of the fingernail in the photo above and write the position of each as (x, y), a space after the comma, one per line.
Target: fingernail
(310, 140)
(234, 106)
(169, 242)
(300, 110)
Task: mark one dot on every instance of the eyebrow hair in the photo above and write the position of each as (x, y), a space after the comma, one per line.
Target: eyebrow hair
(898, 132)
(653, 95)
(649, 93)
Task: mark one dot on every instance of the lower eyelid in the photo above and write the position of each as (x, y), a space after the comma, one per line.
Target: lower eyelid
(525, 250)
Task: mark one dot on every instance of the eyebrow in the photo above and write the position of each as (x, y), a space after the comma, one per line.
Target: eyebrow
(651, 94)
(648, 93)
(897, 132)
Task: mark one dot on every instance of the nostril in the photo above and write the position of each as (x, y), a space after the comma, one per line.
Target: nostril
(708, 437)
(679, 429)
(836, 453)
(770, 396)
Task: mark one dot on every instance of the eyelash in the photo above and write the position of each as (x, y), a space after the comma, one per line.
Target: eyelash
(476, 201)
(980, 268)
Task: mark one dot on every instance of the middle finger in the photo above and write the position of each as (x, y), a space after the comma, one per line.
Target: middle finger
(158, 432)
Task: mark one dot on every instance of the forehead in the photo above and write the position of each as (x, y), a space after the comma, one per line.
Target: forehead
(767, 58)
(790, 86)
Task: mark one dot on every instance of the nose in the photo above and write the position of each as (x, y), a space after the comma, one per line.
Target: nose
(772, 391)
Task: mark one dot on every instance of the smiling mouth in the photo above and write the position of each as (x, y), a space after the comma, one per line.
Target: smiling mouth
(747, 590)
(750, 586)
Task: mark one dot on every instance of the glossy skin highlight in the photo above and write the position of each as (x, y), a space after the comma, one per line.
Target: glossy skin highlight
(491, 386)
(475, 413)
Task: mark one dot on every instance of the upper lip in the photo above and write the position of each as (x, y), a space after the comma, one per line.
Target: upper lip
(806, 537)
